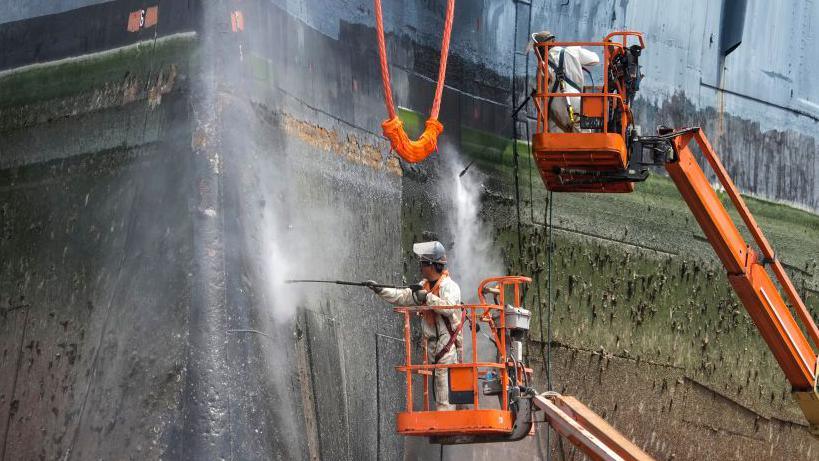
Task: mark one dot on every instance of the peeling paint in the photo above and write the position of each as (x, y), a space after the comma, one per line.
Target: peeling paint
(347, 146)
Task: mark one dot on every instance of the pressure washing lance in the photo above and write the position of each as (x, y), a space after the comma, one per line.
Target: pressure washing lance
(343, 282)
(415, 287)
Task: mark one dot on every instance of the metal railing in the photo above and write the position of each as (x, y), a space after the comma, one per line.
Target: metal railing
(475, 313)
(543, 94)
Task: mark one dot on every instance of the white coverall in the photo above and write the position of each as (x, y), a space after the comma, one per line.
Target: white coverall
(574, 60)
(437, 336)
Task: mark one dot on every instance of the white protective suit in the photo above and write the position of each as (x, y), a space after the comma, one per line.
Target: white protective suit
(449, 294)
(574, 60)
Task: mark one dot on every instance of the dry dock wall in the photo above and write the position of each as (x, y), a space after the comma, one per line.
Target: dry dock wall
(148, 182)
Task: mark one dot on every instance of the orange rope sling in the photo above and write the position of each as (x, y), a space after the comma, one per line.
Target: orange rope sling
(409, 150)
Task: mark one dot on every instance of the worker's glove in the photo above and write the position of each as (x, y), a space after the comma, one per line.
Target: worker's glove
(420, 296)
(417, 287)
(371, 284)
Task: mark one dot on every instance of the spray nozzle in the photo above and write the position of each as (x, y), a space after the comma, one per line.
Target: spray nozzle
(466, 169)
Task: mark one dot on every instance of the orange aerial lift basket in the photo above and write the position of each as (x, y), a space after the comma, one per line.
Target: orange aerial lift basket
(506, 419)
(592, 153)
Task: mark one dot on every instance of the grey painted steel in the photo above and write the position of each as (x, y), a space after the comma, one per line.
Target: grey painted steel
(15, 10)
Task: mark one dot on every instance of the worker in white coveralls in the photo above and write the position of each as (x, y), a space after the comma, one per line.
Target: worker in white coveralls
(441, 328)
(566, 68)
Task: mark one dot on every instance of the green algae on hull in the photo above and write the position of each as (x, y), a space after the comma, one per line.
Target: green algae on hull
(70, 76)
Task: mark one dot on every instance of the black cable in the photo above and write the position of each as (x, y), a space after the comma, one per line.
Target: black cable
(538, 297)
(150, 74)
(531, 193)
(515, 138)
(548, 358)
(549, 249)
(377, 402)
(591, 77)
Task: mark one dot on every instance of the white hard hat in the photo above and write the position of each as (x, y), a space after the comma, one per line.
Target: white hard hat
(433, 252)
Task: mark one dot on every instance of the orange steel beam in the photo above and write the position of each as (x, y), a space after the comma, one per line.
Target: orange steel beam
(746, 272)
(759, 237)
(408, 353)
(625, 34)
(435, 366)
(585, 430)
(583, 44)
(425, 352)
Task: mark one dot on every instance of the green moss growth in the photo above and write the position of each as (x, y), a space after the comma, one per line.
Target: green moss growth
(71, 76)
(413, 122)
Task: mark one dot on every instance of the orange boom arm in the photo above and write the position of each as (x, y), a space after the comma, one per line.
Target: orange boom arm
(746, 270)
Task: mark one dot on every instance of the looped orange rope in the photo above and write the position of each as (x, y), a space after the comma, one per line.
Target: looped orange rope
(409, 150)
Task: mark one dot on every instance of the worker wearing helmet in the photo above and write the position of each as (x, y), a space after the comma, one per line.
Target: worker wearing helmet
(441, 328)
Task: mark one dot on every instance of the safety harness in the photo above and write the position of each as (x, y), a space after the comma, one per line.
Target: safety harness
(561, 79)
(453, 336)
(429, 317)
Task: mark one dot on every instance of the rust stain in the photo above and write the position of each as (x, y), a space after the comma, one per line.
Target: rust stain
(350, 147)
(133, 87)
(163, 85)
(199, 140)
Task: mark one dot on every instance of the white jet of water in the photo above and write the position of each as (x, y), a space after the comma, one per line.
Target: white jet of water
(311, 245)
(473, 256)
(276, 262)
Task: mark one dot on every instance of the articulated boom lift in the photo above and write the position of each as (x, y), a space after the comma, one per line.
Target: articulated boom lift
(604, 153)
(513, 415)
